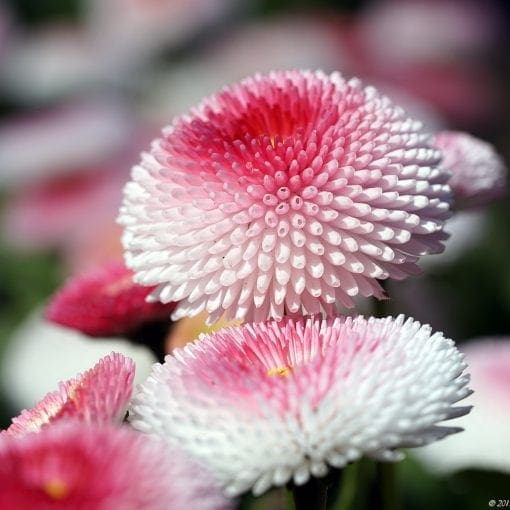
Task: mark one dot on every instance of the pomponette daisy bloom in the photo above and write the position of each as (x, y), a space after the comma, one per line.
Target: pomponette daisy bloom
(105, 302)
(282, 194)
(478, 171)
(100, 395)
(73, 466)
(266, 403)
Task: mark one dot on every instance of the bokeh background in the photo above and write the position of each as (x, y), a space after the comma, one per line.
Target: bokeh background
(86, 84)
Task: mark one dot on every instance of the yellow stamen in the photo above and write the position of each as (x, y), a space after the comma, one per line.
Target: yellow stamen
(281, 371)
(56, 489)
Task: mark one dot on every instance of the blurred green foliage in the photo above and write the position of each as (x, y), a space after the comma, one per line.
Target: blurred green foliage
(41, 11)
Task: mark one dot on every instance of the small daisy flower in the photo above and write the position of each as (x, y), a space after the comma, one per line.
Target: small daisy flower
(100, 395)
(105, 302)
(478, 172)
(266, 403)
(74, 465)
(282, 194)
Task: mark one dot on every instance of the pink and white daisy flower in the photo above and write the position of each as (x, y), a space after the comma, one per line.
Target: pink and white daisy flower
(100, 395)
(478, 172)
(282, 194)
(105, 302)
(266, 403)
(74, 466)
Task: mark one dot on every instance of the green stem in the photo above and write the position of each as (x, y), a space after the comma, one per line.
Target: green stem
(347, 493)
(387, 492)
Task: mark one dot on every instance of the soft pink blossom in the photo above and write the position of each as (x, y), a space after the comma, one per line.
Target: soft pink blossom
(74, 212)
(77, 466)
(53, 212)
(129, 32)
(39, 354)
(478, 171)
(105, 302)
(100, 395)
(284, 193)
(265, 403)
(62, 139)
(429, 30)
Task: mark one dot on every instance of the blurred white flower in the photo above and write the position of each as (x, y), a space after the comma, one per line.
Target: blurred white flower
(486, 442)
(40, 354)
(466, 230)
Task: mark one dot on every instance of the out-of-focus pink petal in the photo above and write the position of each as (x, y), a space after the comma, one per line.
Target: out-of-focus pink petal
(73, 466)
(105, 302)
(100, 395)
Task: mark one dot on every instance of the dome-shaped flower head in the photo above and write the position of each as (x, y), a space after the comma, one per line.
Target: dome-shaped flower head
(100, 395)
(105, 302)
(281, 194)
(265, 403)
(74, 466)
(478, 174)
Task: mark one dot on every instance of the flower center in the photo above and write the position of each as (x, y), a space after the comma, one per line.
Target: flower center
(56, 488)
(280, 371)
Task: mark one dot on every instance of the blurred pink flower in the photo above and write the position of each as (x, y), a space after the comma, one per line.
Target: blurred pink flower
(130, 31)
(74, 212)
(429, 30)
(105, 47)
(50, 61)
(100, 395)
(105, 302)
(61, 140)
(283, 193)
(486, 442)
(317, 40)
(73, 466)
(265, 403)
(439, 56)
(478, 172)
(51, 212)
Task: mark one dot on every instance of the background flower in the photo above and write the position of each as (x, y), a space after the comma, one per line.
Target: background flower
(105, 302)
(478, 172)
(281, 194)
(266, 403)
(61, 139)
(486, 442)
(73, 465)
(40, 354)
(100, 395)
